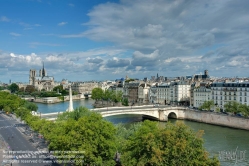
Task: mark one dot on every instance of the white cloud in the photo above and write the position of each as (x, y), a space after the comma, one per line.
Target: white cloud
(71, 5)
(173, 38)
(15, 34)
(179, 33)
(4, 19)
(62, 23)
(35, 44)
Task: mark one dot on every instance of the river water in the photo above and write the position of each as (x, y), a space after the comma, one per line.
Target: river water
(217, 140)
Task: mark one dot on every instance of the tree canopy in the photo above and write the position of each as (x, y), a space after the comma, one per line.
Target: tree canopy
(235, 107)
(97, 94)
(169, 145)
(13, 87)
(207, 105)
(107, 95)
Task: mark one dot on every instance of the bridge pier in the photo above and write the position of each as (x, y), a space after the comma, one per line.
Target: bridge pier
(162, 116)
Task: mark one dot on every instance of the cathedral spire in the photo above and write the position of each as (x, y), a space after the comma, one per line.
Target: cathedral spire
(43, 70)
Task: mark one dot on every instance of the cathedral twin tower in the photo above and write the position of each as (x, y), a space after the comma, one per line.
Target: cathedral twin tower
(43, 81)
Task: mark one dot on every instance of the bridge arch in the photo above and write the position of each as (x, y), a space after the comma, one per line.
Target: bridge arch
(146, 114)
(172, 115)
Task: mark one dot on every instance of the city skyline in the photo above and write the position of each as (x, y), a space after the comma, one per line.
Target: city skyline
(101, 40)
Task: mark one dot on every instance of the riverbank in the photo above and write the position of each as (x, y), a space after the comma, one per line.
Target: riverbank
(217, 119)
(54, 100)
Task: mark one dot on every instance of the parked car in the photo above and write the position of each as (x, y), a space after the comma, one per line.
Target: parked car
(156, 105)
(239, 114)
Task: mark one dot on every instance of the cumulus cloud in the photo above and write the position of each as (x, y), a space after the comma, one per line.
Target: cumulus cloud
(94, 60)
(62, 23)
(173, 38)
(116, 62)
(71, 5)
(198, 33)
(4, 19)
(15, 34)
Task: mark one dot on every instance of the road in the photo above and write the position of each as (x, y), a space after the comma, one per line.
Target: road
(19, 146)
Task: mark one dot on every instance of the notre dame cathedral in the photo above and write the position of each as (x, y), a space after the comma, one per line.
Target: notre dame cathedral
(41, 82)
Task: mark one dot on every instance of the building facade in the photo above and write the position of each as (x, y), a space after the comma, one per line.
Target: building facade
(223, 92)
(201, 94)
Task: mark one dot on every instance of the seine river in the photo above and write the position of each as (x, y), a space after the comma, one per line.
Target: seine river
(218, 140)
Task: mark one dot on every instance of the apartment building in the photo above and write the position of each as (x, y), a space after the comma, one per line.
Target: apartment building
(201, 94)
(223, 92)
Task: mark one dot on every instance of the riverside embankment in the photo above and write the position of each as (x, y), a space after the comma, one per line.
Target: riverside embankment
(215, 118)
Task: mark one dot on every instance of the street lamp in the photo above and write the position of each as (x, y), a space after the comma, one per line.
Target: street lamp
(107, 103)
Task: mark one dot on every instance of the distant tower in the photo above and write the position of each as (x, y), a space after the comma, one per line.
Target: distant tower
(70, 107)
(32, 75)
(43, 71)
(206, 72)
(10, 81)
(157, 75)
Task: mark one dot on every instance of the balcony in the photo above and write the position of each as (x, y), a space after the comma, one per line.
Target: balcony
(230, 89)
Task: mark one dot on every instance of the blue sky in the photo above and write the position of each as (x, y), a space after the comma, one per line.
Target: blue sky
(98, 40)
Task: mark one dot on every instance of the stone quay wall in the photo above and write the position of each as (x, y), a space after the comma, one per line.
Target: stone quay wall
(216, 119)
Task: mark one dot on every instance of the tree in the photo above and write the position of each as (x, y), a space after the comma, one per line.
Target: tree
(59, 87)
(86, 131)
(30, 89)
(125, 102)
(97, 94)
(13, 87)
(232, 106)
(21, 89)
(31, 106)
(207, 105)
(118, 96)
(236, 107)
(172, 145)
(244, 109)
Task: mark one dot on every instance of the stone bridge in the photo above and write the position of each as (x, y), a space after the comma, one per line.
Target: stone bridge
(158, 113)
(162, 113)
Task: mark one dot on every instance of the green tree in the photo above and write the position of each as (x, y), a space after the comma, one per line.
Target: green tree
(207, 105)
(31, 106)
(30, 89)
(172, 145)
(118, 96)
(125, 102)
(86, 131)
(97, 94)
(244, 109)
(108, 95)
(59, 87)
(232, 106)
(13, 87)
